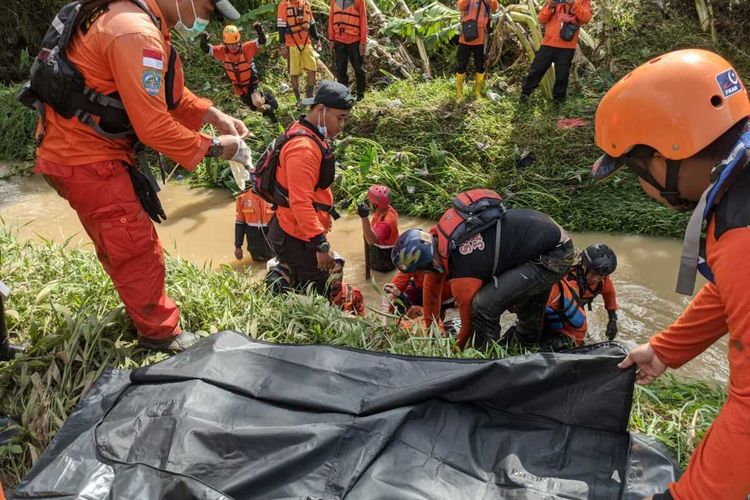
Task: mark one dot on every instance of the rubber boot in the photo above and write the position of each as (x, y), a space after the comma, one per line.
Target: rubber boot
(460, 85)
(478, 82)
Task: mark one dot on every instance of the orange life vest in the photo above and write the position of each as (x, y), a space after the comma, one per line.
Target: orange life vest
(239, 67)
(298, 16)
(349, 299)
(253, 210)
(345, 17)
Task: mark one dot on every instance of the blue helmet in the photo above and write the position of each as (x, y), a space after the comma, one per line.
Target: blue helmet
(413, 251)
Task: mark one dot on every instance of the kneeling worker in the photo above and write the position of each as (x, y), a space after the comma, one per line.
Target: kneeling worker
(251, 220)
(511, 258)
(238, 63)
(592, 277)
(381, 232)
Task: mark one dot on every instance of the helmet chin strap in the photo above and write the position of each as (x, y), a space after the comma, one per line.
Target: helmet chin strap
(668, 192)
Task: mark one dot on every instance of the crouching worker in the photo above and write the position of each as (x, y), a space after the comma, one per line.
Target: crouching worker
(493, 259)
(345, 296)
(381, 232)
(252, 217)
(592, 277)
(238, 63)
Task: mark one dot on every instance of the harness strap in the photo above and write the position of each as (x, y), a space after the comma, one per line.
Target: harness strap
(499, 226)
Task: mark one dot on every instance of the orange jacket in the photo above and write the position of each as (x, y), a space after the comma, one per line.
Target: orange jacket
(121, 52)
(607, 290)
(390, 219)
(462, 289)
(295, 18)
(349, 299)
(347, 21)
(556, 303)
(298, 172)
(553, 15)
(401, 281)
(469, 9)
(720, 466)
(252, 210)
(239, 66)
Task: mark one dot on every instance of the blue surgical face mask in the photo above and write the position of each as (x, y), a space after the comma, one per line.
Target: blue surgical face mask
(322, 128)
(198, 27)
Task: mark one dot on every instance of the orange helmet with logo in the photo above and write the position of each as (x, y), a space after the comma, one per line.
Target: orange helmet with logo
(677, 103)
(231, 34)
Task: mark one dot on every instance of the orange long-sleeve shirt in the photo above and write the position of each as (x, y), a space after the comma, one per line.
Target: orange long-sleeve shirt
(463, 291)
(553, 15)
(125, 52)
(298, 172)
(468, 10)
(720, 466)
(348, 25)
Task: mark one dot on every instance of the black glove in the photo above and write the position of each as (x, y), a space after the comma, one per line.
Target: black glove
(203, 41)
(146, 195)
(612, 325)
(363, 210)
(261, 35)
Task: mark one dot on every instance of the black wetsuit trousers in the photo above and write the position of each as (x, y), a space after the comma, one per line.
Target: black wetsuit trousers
(525, 287)
(300, 258)
(346, 53)
(545, 57)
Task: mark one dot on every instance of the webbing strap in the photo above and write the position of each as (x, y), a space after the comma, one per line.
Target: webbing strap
(498, 225)
(691, 248)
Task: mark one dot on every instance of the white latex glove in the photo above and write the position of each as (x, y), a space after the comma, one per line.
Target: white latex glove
(243, 155)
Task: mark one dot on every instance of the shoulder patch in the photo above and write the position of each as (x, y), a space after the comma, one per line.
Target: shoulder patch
(152, 81)
(729, 82)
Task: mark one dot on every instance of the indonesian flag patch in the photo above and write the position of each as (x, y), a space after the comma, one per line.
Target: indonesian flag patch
(152, 59)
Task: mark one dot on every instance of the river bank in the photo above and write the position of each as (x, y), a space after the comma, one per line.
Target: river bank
(66, 311)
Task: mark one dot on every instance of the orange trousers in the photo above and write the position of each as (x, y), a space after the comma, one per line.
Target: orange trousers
(124, 237)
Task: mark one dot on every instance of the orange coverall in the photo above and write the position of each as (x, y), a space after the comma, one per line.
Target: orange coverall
(720, 466)
(553, 15)
(121, 49)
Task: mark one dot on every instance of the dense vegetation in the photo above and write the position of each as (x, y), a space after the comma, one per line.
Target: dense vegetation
(409, 133)
(67, 312)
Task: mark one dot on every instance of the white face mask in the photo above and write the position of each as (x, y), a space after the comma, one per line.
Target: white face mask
(322, 128)
(198, 27)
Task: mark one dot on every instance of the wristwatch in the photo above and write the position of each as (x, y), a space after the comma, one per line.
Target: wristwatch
(216, 149)
(324, 247)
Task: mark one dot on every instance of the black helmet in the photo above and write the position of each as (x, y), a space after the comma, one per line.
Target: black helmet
(600, 258)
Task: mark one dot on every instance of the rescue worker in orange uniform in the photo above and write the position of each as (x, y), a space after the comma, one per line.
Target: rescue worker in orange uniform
(347, 33)
(298, 232)
(345, 296)
(252, 216)
(297, 31)
(237, 59)
(381, 232)
(680, 122)
(562, 20)
(534, 253)
(592, 274)
(405, 291)
(475, 25)
(123, 47)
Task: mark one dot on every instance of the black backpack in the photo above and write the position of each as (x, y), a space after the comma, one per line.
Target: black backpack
(264, 177)
(57, 82)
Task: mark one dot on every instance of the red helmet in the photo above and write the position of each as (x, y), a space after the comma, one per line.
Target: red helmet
(379, 196)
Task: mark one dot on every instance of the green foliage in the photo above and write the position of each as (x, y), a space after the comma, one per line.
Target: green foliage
(17, 124)
(66, 311)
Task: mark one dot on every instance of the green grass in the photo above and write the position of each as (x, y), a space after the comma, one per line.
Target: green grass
(64, 308)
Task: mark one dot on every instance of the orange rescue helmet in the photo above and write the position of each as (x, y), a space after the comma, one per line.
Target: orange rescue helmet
(231, 34)
(677, 103)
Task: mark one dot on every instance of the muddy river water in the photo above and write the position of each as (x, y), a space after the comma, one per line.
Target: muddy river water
(200, 228)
